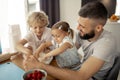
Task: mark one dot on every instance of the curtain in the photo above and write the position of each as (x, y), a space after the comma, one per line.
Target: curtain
(85, 2)
(51, 8)
(110, 5)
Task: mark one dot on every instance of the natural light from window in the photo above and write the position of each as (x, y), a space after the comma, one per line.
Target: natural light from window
(14, 12)
(118, 8)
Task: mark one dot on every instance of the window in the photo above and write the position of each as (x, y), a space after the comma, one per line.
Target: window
(118, 8)
(33, 5)
(14, 12)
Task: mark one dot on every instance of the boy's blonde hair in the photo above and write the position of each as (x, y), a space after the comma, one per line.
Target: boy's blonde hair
(64, 26)
(37, 18)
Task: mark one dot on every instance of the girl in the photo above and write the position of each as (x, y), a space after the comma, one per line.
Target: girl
(65, 51)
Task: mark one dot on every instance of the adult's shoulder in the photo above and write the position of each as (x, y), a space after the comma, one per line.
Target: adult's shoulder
(107, 36)
(105, 46)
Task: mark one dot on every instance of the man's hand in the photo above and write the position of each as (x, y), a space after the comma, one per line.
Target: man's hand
(30, 63)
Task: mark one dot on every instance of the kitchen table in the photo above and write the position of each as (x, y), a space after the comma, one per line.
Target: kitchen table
(16, 67)
(9, 71)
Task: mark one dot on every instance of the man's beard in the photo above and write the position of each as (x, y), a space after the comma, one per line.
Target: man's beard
(88, 35)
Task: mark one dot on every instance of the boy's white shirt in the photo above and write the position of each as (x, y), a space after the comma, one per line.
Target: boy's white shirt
(34, 41)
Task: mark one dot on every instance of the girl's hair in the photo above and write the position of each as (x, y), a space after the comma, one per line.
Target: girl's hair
(37, 18)
(64, 26)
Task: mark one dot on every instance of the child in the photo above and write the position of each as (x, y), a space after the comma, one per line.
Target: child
(65, 51)
(38, 34)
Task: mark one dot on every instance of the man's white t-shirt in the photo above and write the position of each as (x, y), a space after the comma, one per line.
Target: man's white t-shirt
(104, 48)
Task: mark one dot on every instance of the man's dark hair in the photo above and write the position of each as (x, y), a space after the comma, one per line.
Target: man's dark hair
(94, 10)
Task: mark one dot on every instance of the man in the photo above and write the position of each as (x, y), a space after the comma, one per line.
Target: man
(98, 46)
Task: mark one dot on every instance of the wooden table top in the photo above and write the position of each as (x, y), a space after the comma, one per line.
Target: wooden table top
(18, 61)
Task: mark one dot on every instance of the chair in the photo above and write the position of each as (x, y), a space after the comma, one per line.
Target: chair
(113, 74)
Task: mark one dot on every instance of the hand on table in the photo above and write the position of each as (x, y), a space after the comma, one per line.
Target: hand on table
(31, 63)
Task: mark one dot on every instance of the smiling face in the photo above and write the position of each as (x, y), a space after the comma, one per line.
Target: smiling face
(58, 35)
(92, 18)
(38, 30)
(37, 22)
(86, 28)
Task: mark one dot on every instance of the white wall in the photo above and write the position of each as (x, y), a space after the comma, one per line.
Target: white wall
(118, 8)
(69, 11)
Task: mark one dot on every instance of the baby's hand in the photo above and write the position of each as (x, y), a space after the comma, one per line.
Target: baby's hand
(36, 55)
(43, 58)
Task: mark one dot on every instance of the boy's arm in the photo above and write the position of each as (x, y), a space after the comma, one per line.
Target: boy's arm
(20, 47)
(41, 48)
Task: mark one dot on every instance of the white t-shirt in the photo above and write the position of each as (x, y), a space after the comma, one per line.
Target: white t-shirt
(33, 40)
(104, 48)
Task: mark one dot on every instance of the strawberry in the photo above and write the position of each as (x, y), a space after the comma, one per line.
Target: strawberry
(35, 75)
(39, 76)
(29, 75)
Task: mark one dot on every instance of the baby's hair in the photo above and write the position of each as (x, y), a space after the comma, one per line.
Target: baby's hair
(64, 26)
(37, 18)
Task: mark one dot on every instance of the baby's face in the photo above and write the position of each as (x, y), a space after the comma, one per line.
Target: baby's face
(38, 30)
(58, 35)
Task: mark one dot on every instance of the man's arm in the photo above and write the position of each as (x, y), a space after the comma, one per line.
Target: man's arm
(41, 48)
(87, 70)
